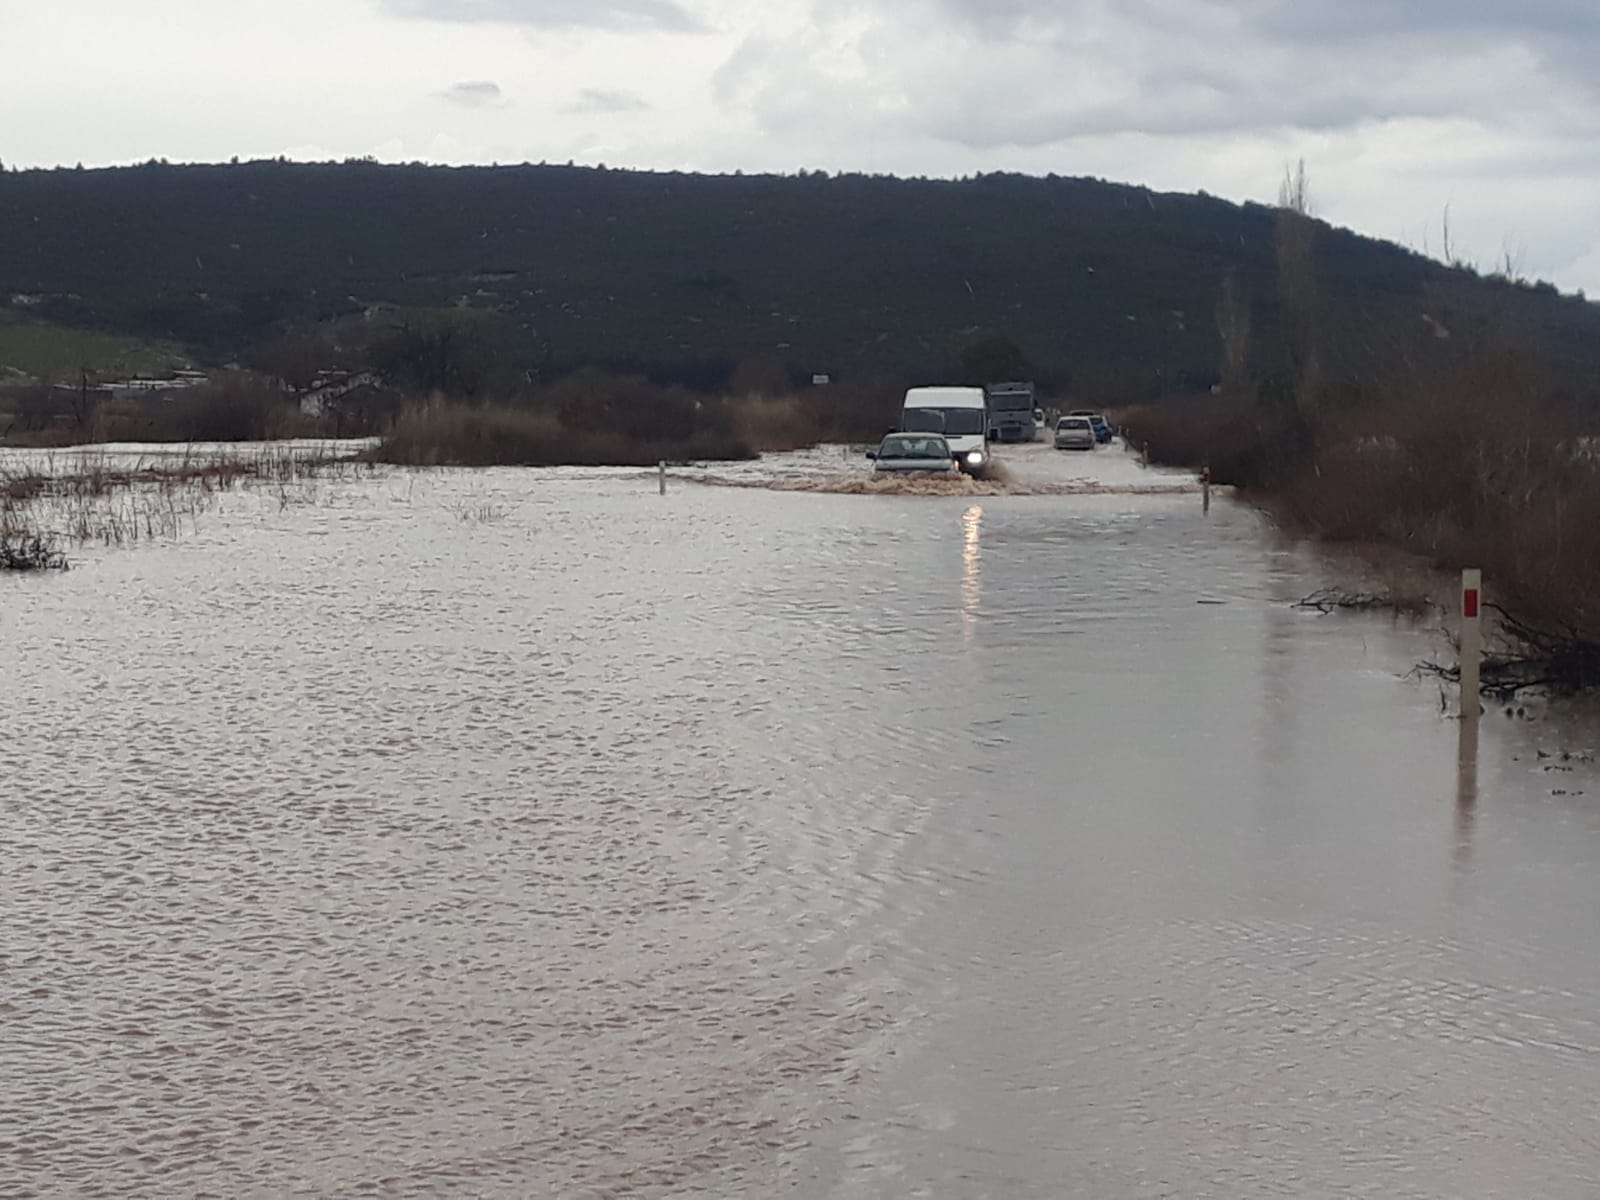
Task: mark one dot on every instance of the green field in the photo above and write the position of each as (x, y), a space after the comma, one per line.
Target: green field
(55, 353)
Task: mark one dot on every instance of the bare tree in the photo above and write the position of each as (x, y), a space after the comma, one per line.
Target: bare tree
(1511, 262)
(1297, 281)
(1294, 193)
(83, 408)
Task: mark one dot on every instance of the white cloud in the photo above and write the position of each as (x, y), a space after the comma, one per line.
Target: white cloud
(475, 94)
(658, 14)
(607, 100)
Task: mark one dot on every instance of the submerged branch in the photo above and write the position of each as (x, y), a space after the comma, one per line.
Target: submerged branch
(1334, 599)
(1528, 658)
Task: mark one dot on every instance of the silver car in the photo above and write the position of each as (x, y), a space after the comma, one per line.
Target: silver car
(912, 452)
(1075, 433)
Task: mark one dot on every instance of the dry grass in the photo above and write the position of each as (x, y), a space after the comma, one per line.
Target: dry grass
(97, 498)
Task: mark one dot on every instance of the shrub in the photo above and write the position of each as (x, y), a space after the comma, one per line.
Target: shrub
(30, 553)
(597, 418)
(1486, 466)
(445, 434)
(235, 408)
(836, 413)
(1245, 443)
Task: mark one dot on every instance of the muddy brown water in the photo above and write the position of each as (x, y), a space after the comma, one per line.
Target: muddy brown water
(529, 834)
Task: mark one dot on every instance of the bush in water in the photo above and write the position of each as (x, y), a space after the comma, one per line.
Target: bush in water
(31, 553)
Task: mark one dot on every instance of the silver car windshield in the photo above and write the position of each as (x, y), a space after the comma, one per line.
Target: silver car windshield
(914, 447)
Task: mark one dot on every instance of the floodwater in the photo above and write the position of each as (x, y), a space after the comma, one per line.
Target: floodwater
(531, 834)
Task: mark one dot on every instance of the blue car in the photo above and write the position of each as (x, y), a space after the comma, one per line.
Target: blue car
(1102, 430)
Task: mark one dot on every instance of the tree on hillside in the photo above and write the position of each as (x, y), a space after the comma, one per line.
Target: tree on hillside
(991, 357)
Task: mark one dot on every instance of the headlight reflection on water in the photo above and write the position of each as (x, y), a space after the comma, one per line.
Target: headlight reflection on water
(971, 575)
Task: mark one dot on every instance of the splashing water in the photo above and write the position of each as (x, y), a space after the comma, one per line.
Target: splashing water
(1026, 470)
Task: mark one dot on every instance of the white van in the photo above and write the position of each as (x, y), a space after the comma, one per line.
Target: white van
(961, 414)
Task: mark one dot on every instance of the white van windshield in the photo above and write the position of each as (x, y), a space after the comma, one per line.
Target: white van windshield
(959, 422)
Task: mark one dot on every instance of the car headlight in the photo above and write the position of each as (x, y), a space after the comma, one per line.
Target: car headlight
(975, 458)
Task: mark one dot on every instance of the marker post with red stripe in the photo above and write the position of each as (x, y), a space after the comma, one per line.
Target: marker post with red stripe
(1471, 641)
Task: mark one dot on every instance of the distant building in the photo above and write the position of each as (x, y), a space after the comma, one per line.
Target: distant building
(330, 387)
(142, 387)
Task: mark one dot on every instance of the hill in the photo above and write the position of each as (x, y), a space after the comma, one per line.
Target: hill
(683, 276)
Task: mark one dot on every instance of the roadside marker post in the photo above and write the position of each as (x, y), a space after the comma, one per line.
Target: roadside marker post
(1205, 489)
(661, 466)
(1471, 641)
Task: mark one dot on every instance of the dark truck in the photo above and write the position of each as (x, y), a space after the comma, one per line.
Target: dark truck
(1011, 412)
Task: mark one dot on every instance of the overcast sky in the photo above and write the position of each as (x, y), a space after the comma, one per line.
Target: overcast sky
(1400, 107)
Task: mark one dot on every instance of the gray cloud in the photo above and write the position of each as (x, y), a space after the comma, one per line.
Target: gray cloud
(475, 94)
(1032, 73)
(1563, 36)
(602, 101)
(1297, 20)
(666, 15)
(1368, 20)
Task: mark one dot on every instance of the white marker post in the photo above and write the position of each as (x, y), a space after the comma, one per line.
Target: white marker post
(1205, 489)
(661, 466)
(1471, 641)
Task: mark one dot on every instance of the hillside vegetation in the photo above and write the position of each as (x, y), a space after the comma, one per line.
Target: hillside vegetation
(682, 277)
